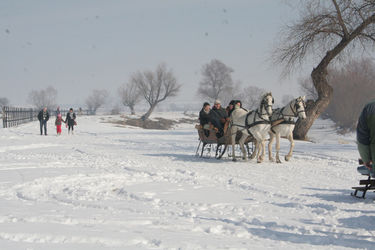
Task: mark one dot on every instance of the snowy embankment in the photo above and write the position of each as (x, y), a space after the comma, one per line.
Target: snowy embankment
(111, 187)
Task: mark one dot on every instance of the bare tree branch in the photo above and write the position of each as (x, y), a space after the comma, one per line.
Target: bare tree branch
(341, 21)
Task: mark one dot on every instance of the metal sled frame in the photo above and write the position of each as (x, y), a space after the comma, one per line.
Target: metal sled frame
(210, 143)
(368, 184)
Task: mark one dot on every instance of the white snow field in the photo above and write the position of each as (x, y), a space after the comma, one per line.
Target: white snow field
(112, 187)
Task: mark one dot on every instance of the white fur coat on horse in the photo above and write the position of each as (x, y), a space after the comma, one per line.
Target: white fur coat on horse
(257, 123)
(283, 125)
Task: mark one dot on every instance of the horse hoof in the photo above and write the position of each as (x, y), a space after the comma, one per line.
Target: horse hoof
(287, 158)
(272, 159)
(278, 161)
(234, 159)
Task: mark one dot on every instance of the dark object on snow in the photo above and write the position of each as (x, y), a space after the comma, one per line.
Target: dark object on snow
(367, 184)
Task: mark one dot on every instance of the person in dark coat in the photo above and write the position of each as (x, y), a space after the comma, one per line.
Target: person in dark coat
(230, 107)
(219, 117)
(70, 120)
(366, 139)
(205, 117)
(43, 117)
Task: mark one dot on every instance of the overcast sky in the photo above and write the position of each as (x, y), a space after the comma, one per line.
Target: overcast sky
(80, 45)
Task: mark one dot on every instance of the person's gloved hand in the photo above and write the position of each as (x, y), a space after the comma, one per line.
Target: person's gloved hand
(369, 165)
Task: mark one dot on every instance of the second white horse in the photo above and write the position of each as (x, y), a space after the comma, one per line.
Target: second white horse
(284, 124)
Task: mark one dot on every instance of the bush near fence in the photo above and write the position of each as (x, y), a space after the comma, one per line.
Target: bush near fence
(14, 116)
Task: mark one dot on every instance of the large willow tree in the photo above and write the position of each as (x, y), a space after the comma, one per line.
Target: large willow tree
(325, 29)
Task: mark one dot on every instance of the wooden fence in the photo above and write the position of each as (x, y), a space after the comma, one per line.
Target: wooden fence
(13, 116)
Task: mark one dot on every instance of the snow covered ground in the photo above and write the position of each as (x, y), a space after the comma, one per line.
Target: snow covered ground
(112, 187)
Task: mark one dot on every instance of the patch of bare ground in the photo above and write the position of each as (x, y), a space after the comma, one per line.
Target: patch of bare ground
(156, 123)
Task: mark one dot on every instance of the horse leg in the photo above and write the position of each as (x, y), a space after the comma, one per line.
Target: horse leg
(289, 155)
(278, 147)
(259, 148)
(272, 137)
(242, 145)
(263, 151)
(234, 133)
(254, 153)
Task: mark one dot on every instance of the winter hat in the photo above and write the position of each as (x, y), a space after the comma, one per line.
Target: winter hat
(205, 104)
(217, 101)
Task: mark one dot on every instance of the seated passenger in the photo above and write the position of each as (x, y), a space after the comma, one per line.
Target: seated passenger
(205, 117)
(219, 117)
(230, 108)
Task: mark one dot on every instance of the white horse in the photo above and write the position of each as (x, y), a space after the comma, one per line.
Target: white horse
(283, 124)
(257, 123)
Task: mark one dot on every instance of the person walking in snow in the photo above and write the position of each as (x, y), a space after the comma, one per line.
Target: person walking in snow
(70, 120)
(58, 123)
(43, 117)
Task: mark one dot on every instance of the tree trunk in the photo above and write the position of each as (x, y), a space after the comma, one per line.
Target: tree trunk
(132, 111)
(148, 113)
(314, 108)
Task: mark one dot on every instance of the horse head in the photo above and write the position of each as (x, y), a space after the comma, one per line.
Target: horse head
(266, 103)
(300, 106)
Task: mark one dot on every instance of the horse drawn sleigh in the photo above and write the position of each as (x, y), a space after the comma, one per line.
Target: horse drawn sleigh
(253, 127)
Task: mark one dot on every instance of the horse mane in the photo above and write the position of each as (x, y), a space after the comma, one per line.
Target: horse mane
(266, 94)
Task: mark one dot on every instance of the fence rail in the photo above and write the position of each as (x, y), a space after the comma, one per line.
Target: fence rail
(14, 116)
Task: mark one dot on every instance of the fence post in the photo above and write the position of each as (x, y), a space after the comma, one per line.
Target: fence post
(4, 118)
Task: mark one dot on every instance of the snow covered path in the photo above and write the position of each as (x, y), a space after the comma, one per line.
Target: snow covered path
(110, 187)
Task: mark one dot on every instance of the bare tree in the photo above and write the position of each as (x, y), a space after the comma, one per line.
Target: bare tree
(234, 93)
(43, 98)
(97, 99)
(129, 95)
(115, 110)
(353, 87)
(286, 99)
(251, 96)
(3, 102)
(156, 86)
(325, 30)
(307, 88)
(216, 81)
